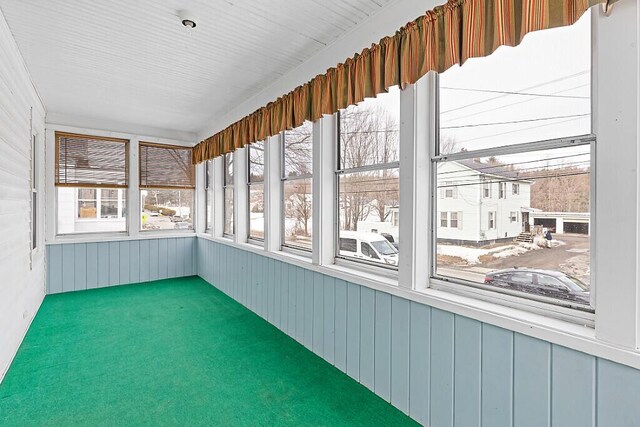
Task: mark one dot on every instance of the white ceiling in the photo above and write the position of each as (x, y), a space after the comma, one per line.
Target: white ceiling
(133, 62)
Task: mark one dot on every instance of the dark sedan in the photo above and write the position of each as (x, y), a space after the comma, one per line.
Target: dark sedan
(548, 283)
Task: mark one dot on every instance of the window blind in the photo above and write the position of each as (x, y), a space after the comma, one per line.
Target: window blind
(166, 166)
(91, 161)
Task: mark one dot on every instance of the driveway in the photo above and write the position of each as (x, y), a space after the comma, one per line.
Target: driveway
(571, 258)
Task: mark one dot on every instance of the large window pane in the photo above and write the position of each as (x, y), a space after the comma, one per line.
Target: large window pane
(369, 131)
(91, 210)
(256, 211)
(369, 216)
(298, 145)
(298, 213)
(256, 162)
(538, 90)
(166, 209)
(517, 223)
(228, 211)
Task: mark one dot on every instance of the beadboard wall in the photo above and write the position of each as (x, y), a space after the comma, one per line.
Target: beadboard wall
(22, 272)
(80, 266)
(440, 368)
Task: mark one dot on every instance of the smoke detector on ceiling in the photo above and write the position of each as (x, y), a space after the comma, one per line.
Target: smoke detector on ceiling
(187, 18)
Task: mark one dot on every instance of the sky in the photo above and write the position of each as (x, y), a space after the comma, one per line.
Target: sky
(547, 80)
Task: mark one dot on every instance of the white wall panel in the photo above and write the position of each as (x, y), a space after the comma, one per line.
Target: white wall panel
(21, 272)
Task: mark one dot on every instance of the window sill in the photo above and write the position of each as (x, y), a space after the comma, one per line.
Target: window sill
(553, 330)
(111, 237)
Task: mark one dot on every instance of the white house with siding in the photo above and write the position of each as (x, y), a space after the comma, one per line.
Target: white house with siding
(478, 203)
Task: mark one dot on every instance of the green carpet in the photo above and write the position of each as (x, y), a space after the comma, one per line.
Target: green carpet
(173, 352)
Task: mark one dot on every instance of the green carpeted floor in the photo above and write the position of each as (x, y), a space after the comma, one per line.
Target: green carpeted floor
(173, 352)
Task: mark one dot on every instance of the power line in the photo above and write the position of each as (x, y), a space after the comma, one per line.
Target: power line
(516, 163)
(509, 105)
(533, 177)
(527, 88)
(518, 130)
(541, 95)
(514, 121)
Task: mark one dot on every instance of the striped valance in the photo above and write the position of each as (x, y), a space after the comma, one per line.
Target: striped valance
(447, 35)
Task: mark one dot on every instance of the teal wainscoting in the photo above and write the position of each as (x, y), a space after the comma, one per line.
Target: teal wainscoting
(79, 266)
(440, 368)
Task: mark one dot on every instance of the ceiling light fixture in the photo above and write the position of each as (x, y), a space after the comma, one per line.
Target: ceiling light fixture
(187, 19)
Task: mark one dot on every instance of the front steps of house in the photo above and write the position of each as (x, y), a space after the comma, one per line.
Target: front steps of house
(525, 237)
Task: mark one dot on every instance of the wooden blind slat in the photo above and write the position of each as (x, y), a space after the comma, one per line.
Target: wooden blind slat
(166, 166)
(86, 161)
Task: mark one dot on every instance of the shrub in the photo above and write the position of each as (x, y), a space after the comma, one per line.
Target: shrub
(167, 212)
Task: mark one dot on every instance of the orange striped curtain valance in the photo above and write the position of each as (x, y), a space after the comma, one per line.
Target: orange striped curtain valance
(447, 35)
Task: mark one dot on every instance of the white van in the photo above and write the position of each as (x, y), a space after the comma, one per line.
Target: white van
(367, 246)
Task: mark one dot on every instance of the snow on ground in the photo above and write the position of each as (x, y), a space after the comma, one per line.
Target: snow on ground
(472, 255)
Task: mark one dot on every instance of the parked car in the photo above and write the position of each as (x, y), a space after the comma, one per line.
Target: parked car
(368, 246)
(548, 283)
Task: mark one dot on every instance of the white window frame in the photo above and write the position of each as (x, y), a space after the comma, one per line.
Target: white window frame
(284, 246)
(208, 196)
(339, 172)
(252, 239)
(226, 186)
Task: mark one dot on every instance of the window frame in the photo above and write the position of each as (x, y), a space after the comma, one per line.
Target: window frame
(208, 195)
(548, 306)
(193, 190)
(284, 246)
(226, 186)
(339, 172)
(125, 188)
(252, 182)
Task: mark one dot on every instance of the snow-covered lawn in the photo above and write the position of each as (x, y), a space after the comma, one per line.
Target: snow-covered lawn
(472, 255)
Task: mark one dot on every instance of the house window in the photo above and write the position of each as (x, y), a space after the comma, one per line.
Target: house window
(444, 222)
(502, 190)
(492, 221)
(256, 191)
(91, 178)
(167, 187)
(208, 194)
(486, 190)
(529, 132)
(227, 188)
(297, 169)
(368, 177)
(454, 220)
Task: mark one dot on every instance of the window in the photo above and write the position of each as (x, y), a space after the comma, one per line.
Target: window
(167, 183)
(486, 189)
(91, 178)
(208, 194)
(256, 190)
(34, 194)
(349, 245)
(227, 185)
(297, 169)
(368, 176)
(519, 120)
(492, 220)
(443, 219)
(502, 190)
(367, 251)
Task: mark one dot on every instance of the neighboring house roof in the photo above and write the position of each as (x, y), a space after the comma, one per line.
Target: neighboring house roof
(495, 170)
